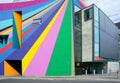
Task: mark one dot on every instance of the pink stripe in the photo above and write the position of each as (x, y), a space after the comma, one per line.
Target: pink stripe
(7, 6)
(81, 4)
(39, 64)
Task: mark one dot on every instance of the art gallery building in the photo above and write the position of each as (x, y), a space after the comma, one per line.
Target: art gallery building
(96, 41)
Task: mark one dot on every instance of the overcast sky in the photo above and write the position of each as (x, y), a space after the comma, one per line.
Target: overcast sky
(10, 1)
(109, 7)
(6, 1)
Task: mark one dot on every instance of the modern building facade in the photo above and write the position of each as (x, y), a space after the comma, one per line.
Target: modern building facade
(118, 25)
(96, 40)
(38, 38)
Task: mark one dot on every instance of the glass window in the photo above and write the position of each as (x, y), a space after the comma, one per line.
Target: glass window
(96, 13)
(96, 52)
(96, 24)
(96, 32)
(88, 14)
(3, 39)
(96, 35)
(76, 19)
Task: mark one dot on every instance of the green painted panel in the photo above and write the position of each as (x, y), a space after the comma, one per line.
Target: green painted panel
(60, 63)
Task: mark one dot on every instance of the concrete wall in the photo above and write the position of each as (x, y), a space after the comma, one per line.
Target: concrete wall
(87, 39)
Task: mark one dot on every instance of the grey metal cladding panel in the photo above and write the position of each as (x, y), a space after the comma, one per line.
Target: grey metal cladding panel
(102, 21)
(108, 38)
(108, 46)
(108, 26)
(111, 29)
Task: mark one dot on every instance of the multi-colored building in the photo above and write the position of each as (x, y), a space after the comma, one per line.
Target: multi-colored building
(38, 38)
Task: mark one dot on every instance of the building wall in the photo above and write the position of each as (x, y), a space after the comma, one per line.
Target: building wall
(108, 38)
(118, 25)
(87, 39)
(99, 37)
(47, 47)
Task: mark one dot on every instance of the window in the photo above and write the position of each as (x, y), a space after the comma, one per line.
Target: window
(77, 19)
(3, 39)
(37, 21)
(88, 14)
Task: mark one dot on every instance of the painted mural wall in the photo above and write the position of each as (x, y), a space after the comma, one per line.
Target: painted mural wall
(40, 38)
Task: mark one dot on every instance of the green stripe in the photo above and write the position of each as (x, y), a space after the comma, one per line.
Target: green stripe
(60, 63)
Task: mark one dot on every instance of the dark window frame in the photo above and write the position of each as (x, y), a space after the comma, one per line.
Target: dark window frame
(88, 14)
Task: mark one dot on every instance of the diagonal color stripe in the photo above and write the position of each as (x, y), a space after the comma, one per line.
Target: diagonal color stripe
(76, 3)
(9, 6)
(27, 23)
(30, 54)
(60, 62)
(43, 54)
(5, 54)
(20, 53)
(81, 4)
(27, 13)
(73, 54)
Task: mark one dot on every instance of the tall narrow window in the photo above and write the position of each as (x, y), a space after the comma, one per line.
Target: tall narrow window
(96, 33)
(77, 19)
(88, 14)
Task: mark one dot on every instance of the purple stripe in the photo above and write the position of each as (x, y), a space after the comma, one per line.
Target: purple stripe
(39, 64)
(7, 6)
(2, 68)
(73, 17)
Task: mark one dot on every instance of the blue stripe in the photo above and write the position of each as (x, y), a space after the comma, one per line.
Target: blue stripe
(76, 3)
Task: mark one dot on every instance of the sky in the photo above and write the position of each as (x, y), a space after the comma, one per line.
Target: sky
(110, 7)
(10, 1)
(6, 1)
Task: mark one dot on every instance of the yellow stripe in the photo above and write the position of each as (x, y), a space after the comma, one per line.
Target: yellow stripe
(6, 32)
(28, 57)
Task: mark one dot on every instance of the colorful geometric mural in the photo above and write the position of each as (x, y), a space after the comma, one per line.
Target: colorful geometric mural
(17, 29)
(41, 49)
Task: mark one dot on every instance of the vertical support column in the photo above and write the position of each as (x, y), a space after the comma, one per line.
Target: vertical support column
(102, 71)
(94, 72)
(85, 72)
(17, 29)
